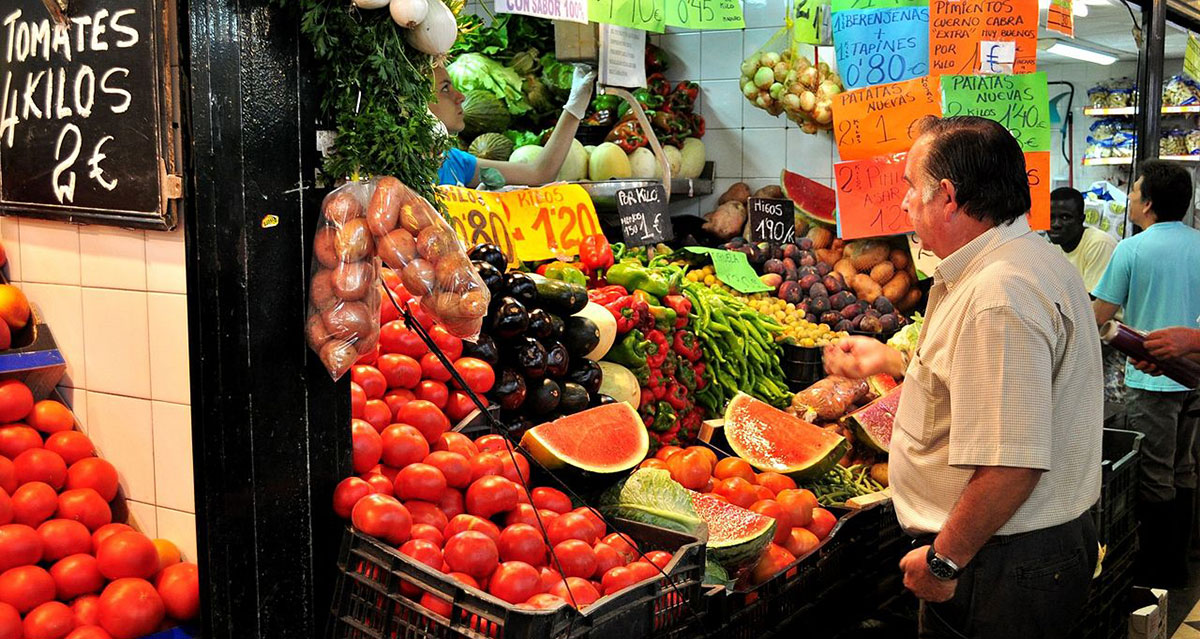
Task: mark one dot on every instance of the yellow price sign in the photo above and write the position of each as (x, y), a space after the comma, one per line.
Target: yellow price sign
(527, 224)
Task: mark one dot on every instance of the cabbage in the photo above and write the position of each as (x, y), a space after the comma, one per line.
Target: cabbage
(906, 339)
(475, 72)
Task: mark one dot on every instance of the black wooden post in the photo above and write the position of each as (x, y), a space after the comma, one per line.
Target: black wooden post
(269, 427)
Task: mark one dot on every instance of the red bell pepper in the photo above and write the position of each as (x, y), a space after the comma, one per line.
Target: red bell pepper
(690, 89)
(677, 397)
(659, 345)
(656, 385)
(595, 253)
(682, 307)
(697, 125)
(698, 370)
(658, 83)
(686, 345)
(623, 309)
(607, 294)
(627, 135)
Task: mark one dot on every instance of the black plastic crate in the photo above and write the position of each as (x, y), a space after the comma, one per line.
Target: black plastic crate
(802, 366)
(1114, 514)
(369, 604)
(1106, 614)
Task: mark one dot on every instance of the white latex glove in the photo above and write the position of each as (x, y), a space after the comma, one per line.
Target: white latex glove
(581, 90)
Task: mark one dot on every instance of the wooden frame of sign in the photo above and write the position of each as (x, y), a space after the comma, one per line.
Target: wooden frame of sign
(90, 113)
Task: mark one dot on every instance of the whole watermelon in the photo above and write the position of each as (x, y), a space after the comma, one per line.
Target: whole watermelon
(491, 146)
(484, 112)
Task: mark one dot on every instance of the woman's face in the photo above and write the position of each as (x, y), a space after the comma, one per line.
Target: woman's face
(447, 102)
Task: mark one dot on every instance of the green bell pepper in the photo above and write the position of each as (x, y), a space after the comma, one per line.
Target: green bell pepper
(635, 277)
(564, 272)
(630, 351)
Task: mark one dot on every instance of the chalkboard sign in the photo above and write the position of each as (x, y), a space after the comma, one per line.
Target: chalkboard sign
(86, 131)
(644, 217)
(771, 220)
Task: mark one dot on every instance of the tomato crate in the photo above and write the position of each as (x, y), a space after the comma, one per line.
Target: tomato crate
(802, 366)
(369, 602)
(1114, 514)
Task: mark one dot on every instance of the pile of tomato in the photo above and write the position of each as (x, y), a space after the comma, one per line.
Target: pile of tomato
(465, 507)
(66, 570)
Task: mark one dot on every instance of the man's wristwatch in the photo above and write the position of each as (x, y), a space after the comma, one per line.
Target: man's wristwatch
(941, 566)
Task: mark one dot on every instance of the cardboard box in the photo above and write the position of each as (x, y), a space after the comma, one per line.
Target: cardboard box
(574, 42)
(1149, 617)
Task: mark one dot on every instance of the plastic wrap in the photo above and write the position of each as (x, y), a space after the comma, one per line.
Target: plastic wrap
(1173, 142)
(828, 399)
(779, 79)
(1098, 97)
(1119, 98)
(1179, 90)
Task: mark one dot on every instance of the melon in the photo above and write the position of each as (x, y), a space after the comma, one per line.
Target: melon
(605, 439)
(814, 200)
(620, 383)
(872, 423)
(736, 536)
(484, 112)
(772, 440)
(491, 146)
(693, 158)
(606, 324)
(644, 165)
(527, 154)
(674, 159)
(608, 162)
(575, 166)
(880, 384)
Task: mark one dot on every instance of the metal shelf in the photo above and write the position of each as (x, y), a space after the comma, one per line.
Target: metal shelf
(1128, 161)
(1168, 110)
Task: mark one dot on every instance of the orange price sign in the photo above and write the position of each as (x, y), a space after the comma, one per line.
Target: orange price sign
(527, 224)
(869, 193)
(479, 217)
(1037, 167)
(1061, 17)
(958, 27)
(878, 120)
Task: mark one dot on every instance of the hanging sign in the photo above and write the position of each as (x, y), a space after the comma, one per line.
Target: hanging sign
(705, 14)
(85, 127)
(875, 46)
(1020, 102)
(643, 214)
(527, 224)
(647, 15)
(1037, 168)
(957, 27)
(622, 57)
(810, 23)
(879, 120)
(1191, 57)
(1060, 17)
(570, 10)
(869, 194)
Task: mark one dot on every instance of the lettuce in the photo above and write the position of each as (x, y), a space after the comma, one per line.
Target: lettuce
(476, 72)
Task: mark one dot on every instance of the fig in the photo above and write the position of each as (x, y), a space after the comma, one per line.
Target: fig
(819, 305)
(791, 292)
(831, 317)
(832, 284)
(842, 326)
(852, 311)
(884, 305)
(818, 290)
(774, 266)
(824, 269)
(888, 323)
(808, 281)
(841, 300)
(870, 324)
(805, 243)
(771, 279)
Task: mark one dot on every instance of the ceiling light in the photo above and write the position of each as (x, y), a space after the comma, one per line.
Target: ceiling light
(1043, 4)
(1081, 53)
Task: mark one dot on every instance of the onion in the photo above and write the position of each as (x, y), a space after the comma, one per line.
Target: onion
(408, 13)
(370, 4)
(436, 33)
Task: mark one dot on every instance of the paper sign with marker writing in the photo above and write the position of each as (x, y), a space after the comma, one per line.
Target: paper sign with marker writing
(924, 259)
(1060, 17)
(1191, 57)
(1019, 102)
(571, 10)
(647, 15)
(1037, 168)
(810, 22)
(846, 5)
(705, 14)
(869, 193)
(733, 268)
(622, 57)
(527, 224)
(957, 27)
(876, 46)
(879, 120)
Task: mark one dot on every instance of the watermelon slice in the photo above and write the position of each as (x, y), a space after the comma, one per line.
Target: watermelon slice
(772, 440)
(736, 536)
(814, 200)
(881, 384)
(872, 423)
(605, 439)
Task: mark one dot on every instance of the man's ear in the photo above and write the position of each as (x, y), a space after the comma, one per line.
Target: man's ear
(951, 205)
(1148, 206)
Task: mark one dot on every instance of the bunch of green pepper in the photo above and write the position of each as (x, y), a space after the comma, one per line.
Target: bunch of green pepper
(843, 484)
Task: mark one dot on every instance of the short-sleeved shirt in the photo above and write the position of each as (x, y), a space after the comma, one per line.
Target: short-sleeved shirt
(458, 168)
(1092, 254)
(1155, 277)
(1007, 372)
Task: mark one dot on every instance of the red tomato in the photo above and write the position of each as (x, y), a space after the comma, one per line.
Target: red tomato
(477, 373)
(396, 398)
(428, 533)
(551, 499)
(391, 278)
(773, 561)
(26, 587)
(822, 523)
(387, 310)
(576, 591)
(596, 520)
(515, 582)
(493, 443)
(130, 608)
(455, 443)
(368, 358)
(775, 481)
(87, 610)
(459, 405)
(76, 575)
(89, 632)
(734, 467)
(420, 481)
(383, 517)
(367, 445)
(63, 537)
(659, 558)
(20, 545)
(379, 483)
(432, 368)
(347, 493)
(424, 512)
(550, 577)
(452, 346)
(801, 541)
(50, 416)
(545, 601)
(358, 401)
(436, 605)
(71, 445)
(643, 570)
(8, 475)
(424, 552)
(10, 620)
(127, 554)
(607, 558)
(51, 620)
(400, 371)
(452, 503)
(377, 413)
(433, 392)
(6, 508)
(738, 491)
(514, 467)
(179, 587)
(34, 503)
(522, 542)
(484, 464)
(797, 505)
(527, 514)
(464, 522)
(772, 509)
(421, 316)
(373, 383)
(473, 553)
(425, 417)
(95, 473)
(490, 495)
(623, 544)
(575, 558)
(572, 525)
(16, 401)
(395, 337)
(617, 579)
(455, 468)
(86, 506)
(403, 445)
(106, 531)
(18, 438)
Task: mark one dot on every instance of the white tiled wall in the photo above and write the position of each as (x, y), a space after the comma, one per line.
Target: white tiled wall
(115, 301)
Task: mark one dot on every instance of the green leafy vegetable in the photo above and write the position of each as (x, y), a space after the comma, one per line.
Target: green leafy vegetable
(650, 496)
(557, 75)
(476, 72)
(523, 138)
(906, 338)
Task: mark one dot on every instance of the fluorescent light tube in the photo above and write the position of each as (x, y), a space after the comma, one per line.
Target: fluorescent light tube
(1080, 53)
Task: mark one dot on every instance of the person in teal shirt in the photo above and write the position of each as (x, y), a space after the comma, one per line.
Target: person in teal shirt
(1155, 277)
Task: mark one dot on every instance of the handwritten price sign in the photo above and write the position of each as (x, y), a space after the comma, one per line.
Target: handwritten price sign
(1037, 167)
(875, 46)
(647, 15)
(879, 120)
(705, 14)
(869, 193)
(810, 22)
(529, 224)
(1020, 102)
(957, 27)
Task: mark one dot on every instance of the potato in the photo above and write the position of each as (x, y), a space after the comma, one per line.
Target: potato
(436, 241)
(416, 216)
(418, 277)
(727, 221)
(846, 268)
(882, 272)
(739, 192)
(348, 320)
(341, 207)
(865, 254)
(899, 259)
(317, 334)
(910, 301)
(398, 248)
(865, 288)
(324, 247)
(897, 287)
(353, 280)
(384, 210)
(829, 256)
(770, 191)
(353, 241)
(320, 290)
(822, 238)
(338, 357)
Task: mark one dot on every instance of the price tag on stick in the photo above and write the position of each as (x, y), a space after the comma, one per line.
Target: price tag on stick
(733, 268)
(644, 217)
(771, 220)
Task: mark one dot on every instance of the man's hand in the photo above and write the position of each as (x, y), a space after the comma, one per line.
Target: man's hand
(1171, 342)
(1146, 367)
(921, 582)
(860, 357)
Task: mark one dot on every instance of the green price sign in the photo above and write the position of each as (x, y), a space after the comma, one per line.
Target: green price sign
(705, 14)
(647, 15)
(733, 269)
